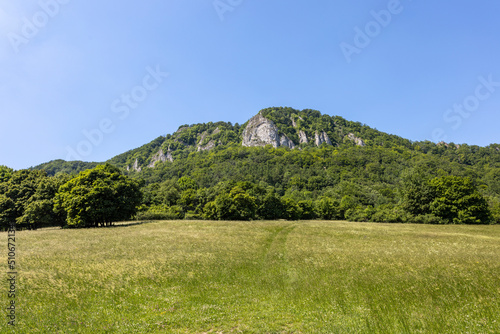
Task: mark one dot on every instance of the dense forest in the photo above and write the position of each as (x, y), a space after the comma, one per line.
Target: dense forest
(292, 165)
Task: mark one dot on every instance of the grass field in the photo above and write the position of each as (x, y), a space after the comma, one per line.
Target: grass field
(258, 277)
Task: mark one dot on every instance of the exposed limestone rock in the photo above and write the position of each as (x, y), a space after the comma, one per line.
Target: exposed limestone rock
(355, 139)
(136, 166)
(303, 137)
(216, 131)
(321, 138)
(202, 137)
(260, 132)
(285, 141)
(210, 145)
(293, 120)
(160, 156)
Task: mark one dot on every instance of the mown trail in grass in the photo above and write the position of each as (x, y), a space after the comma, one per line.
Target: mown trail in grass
(260, 277)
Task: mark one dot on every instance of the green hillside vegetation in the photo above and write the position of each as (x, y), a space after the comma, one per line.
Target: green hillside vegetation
(365, 175)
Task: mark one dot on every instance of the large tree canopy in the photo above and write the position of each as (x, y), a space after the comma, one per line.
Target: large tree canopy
(26, 198)
(458, 201)
(98, 196)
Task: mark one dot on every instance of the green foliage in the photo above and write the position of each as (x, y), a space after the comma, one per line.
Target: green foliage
(271, 207)
(458, 201)
(329, 209)
(495, 211)
(5, 173)
(417, 192)
(395, 214)
(186, 183)
(55, 167)
(7, 212)
(161, 212)
(291, 211)
(27, 199)
(306, 209)
(213, 176)
(238, 204)
(99, 196)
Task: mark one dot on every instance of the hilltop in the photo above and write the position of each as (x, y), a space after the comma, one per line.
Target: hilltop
(277, 127)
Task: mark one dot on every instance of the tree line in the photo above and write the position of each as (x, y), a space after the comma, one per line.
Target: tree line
(31, 199)
(103, 195)
(391, 179)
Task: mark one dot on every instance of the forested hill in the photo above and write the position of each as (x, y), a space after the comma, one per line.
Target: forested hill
(306, 128)
(279, 128)
(286, 163)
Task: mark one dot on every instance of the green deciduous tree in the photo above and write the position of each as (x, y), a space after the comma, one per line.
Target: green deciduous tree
(98, 196)
(235, 205)
(327, 208)
(458, 201)
(417, 193)
(270, 207)
(7, 212)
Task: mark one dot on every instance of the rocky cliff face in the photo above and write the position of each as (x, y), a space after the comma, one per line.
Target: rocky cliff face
(210, 145)
(285, 141)
(135, 167)
(260, 132)
(321, 138)
(160, 156)
(355, 139)
(303, 137)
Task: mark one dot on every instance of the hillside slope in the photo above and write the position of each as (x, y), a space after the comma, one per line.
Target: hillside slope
(278, 127)
(339, 168)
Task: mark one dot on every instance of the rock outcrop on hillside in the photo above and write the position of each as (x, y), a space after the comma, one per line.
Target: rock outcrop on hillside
(321, 138)
(135, 167)
(210, 145)
(357, 140)
(285, 141)
(260, 132)
(160, 156)
(303, 137)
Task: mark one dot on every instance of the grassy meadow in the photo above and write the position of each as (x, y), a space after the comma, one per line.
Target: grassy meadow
(258, 277)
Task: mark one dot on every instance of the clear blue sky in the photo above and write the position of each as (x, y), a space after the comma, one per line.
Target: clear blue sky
(74, 66)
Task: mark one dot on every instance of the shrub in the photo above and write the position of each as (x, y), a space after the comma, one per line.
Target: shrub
(161, 212)
(427, 219)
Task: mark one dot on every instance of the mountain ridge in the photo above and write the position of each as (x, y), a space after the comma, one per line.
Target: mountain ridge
(279, 127)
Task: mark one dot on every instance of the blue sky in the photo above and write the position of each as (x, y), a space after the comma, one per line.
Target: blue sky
(88, 79)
